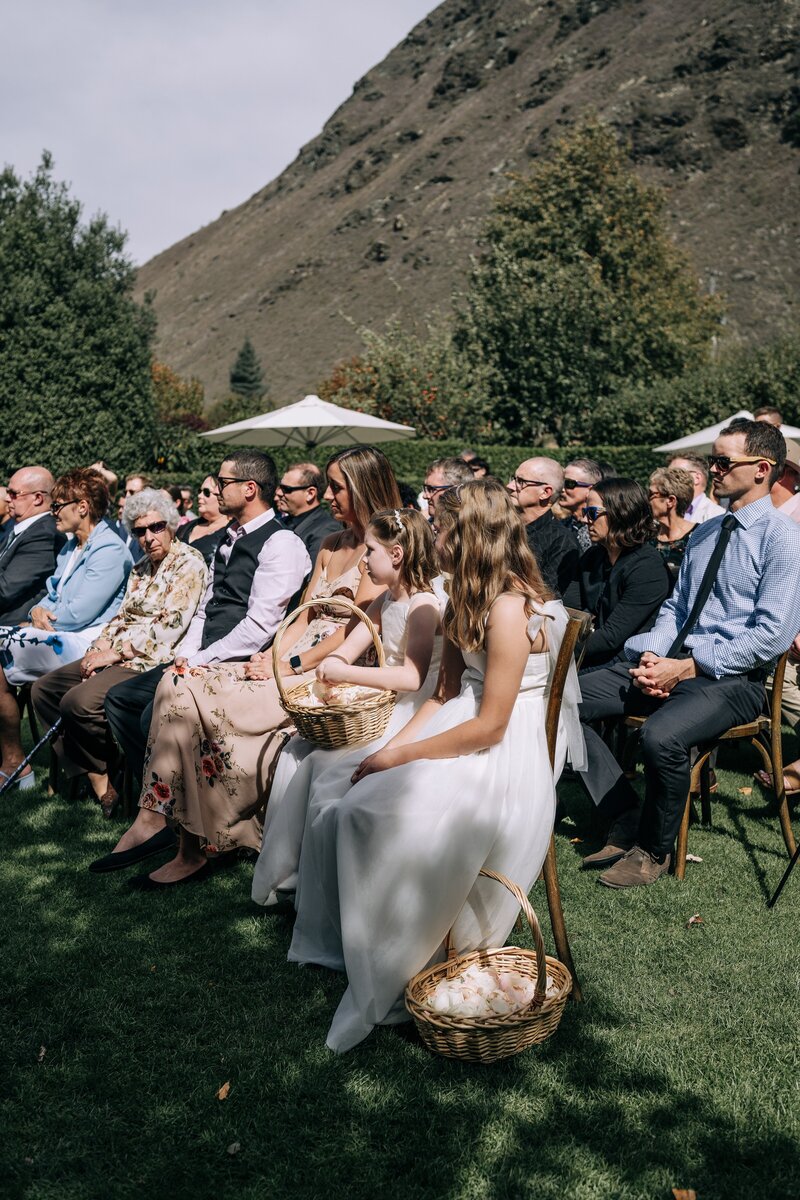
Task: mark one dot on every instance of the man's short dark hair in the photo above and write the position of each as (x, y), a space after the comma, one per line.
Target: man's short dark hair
(760, 440)
(588, 466)
(768, 410)
(252, 464)
(310, 476)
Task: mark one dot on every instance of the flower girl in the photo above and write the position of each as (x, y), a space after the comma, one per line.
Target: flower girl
(399, 556)
(389, 867)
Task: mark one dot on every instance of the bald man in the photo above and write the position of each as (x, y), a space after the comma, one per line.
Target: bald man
(534, 487)
(28, 556)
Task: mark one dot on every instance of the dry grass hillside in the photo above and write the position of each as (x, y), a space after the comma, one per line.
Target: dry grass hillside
(378, 215)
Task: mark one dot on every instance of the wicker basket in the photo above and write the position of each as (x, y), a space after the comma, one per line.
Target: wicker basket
(487, 1039)
(335, 725)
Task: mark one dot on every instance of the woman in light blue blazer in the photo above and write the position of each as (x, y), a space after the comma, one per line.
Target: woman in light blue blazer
(82, 595)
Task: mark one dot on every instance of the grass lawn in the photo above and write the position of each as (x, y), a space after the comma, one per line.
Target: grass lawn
(125, 1013)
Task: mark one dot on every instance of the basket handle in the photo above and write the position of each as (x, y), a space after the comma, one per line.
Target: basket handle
(538, 941)
(343, 602)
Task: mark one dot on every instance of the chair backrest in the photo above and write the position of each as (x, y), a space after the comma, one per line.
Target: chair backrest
(578, 629)
(776, 697)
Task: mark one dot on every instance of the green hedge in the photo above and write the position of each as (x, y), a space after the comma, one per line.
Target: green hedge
(410, 459)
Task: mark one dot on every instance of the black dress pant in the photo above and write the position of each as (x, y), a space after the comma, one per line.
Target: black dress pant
(129, 708)
(696, 711)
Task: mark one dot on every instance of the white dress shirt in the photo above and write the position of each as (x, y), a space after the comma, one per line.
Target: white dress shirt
(283, 564)
(21, 526)
(703, 508)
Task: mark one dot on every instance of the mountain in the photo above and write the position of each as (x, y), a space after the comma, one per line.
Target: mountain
(377, 217)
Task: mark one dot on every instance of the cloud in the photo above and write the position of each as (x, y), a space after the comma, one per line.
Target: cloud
(162, 115)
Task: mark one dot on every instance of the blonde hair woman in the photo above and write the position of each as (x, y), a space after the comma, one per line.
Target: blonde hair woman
(388, 869)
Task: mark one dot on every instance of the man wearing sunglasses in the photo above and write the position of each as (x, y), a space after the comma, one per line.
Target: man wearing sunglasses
(579, 476)
(297, 499)
(701, 669)
(534, 487)
(28, 555)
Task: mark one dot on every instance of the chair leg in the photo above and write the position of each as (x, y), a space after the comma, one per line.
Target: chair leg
(683, 842)
(53, 774)
(705, 791)
(550, 872)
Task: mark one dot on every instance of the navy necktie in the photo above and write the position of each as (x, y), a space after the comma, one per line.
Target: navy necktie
(729, 523)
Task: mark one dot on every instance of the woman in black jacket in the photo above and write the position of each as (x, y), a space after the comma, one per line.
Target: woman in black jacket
(622, 581)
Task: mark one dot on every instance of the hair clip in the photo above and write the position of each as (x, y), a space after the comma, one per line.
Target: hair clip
(397, 519)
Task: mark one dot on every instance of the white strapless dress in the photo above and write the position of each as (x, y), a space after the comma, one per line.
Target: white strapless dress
(307, 775)
(388, 867)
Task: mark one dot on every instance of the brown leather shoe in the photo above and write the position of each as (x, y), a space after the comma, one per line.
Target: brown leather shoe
(636, 868)
(604, 858)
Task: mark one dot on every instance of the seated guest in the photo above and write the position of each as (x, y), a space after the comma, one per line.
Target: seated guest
(702, 508)
(480, 467)
(443, 473)
(164, 589)
(176, 496)
(671, 493)
(28, 555)
(579, 476)
(298, 499)
(6, 520)
(133, 484)
(734, 610)
(769, 414)
(622, 580)
(537, 483)
(408, 495)
(784, 491)
(211, 771)
(188, 502)
(86, 589)
(206, 531)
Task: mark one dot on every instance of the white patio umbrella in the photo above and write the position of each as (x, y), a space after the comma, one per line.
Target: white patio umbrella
(702, 439)
(309, 423)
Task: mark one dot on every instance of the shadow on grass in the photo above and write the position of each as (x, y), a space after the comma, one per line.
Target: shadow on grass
(147, 1004)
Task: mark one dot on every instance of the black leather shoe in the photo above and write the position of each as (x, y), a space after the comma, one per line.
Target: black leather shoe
(163, 840)
(143, 883)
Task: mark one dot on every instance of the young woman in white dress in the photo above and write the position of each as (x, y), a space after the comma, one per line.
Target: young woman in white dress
(399, 556)
(388, 868)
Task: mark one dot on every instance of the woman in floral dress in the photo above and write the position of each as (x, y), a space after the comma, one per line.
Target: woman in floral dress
(216, 731)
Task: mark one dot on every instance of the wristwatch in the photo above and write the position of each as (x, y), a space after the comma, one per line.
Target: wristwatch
(296, 663)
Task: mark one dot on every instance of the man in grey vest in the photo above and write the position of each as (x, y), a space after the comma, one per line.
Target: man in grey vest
(256, 576)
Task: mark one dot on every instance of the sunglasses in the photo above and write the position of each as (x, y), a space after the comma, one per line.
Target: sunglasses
(288, 487)
(14, 495)
(55, 509)
(592, 512)
(223, 482)
(723, 462)
(207, 492)
(139, 531)
(569, 484)
(430, 489)
(523, 483)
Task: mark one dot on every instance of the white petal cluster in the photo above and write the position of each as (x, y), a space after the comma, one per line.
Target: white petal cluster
(484, 992)
(320, 695)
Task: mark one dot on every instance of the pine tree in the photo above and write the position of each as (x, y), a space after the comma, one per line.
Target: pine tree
(74, 346)
(247, 377)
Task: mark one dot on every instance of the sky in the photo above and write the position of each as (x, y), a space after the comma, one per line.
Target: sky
(162, 113)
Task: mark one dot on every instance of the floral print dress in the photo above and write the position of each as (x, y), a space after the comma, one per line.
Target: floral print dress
(215, 737)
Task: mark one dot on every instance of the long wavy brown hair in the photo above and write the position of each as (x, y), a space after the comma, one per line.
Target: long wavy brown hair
(487, 552)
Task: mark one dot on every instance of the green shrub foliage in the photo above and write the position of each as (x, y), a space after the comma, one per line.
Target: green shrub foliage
(74, 346)
(246, 375)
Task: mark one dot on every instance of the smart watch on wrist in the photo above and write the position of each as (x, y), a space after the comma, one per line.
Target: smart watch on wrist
(296, 663)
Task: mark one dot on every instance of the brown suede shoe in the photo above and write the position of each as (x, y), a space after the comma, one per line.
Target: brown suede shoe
(604, 858)
(636, 868)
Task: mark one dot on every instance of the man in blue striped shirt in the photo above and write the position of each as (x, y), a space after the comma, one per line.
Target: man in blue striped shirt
(716, 679)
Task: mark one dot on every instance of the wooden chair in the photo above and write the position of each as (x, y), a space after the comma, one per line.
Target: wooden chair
(765, 735)
(575, 635)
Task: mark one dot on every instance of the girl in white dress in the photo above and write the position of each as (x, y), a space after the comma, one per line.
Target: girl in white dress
(387, 869)
(399, 556)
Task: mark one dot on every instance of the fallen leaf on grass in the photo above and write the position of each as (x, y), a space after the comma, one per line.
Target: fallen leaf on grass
(576, 841)
(693, 858)
(41, 1054)
(28, 1162)
(745, 791)
(234, 1148)
(684, 1193)
(152, 968)
(222, 1094)
(695, 920)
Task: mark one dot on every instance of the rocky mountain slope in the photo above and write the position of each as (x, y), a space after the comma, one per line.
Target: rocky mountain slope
(377, 217)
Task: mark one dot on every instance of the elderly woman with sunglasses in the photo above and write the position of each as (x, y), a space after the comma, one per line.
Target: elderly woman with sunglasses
(622, 578)
(164, 590)
(83, 592)
(207, 531)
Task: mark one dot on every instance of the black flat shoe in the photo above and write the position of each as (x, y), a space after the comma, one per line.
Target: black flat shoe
(163, 840)
(143, 883)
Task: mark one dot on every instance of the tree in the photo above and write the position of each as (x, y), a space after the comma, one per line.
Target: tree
(415, 381)
(247, 377)
(579, 290)
(74, 346)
